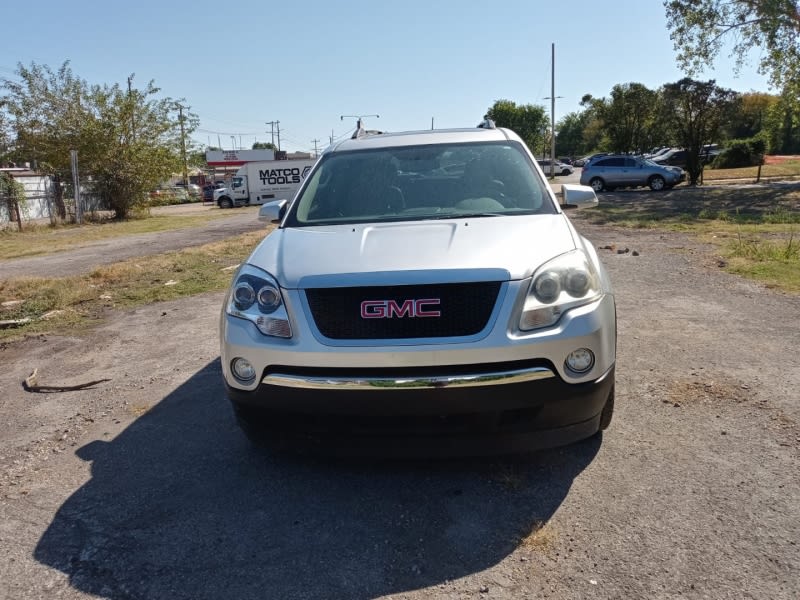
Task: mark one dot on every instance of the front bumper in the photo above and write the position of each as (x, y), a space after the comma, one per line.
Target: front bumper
(507, 390)
(519, 407)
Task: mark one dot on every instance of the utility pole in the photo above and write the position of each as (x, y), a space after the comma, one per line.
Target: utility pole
(552, 97)
(315, 146)
(272, 125)
(183, 147)
(133, 117)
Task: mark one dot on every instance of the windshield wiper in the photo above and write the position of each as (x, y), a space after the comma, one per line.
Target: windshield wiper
(464, 215)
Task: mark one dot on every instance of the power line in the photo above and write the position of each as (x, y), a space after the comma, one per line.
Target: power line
(272, 125)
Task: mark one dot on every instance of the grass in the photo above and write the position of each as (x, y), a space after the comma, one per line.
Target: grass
(540, 538)
(44, 239)
(756, 230)
(774, 262)
(785, 169)
(82, 300)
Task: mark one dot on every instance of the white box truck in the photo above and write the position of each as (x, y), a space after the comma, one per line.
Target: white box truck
(263, 181)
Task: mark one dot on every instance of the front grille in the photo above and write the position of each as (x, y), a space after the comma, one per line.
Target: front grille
(465, 310)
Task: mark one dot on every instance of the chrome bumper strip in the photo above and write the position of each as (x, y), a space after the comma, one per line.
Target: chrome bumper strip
(407, 383)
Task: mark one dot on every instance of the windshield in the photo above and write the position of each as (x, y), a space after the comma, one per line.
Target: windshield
(421, 182)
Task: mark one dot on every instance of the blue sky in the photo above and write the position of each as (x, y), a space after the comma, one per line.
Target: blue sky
(241, 64)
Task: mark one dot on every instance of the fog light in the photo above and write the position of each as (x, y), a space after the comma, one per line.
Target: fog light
(243, 370)
(580, 360)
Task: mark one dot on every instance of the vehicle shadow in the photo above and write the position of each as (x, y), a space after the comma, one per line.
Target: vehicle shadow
(180, 505)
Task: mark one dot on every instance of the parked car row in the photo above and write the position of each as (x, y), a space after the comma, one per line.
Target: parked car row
(195, 191)
(664, 155)
(170, 195)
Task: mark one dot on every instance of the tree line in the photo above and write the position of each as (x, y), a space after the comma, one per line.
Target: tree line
(128, 140)
(687, 113)
(690, 112)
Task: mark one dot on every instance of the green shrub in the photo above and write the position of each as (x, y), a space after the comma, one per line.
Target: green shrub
(741, 153)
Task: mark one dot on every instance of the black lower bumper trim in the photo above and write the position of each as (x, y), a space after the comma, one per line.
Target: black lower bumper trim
(529, 415)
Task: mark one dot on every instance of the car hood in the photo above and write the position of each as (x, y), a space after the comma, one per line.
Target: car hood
(407, 252)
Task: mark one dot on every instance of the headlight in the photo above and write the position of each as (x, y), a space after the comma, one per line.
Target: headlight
(254, 294)
(565, 282)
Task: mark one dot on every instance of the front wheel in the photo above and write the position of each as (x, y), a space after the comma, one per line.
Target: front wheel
(225, 203)
(597, 184)
(657, 183)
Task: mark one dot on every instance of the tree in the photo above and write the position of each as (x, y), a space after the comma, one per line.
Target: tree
(624, 122)
(128, 141)
(12, 194)
(696, 111)
(129, 161)
(750, 114)
(699, 29)
(629, 115)
(264, 146)
(569, 141)
(528, 121)
(782, 125)
(5, 137)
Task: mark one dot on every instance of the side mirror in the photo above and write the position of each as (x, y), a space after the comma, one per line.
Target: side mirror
(578, 196)
(273, 212)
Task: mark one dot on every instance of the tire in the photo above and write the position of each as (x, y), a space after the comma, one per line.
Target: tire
(597, 184)
(657, 183)
(608, 412)
(225, 202)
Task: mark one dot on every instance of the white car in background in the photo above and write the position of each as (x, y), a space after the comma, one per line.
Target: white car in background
(559, 168)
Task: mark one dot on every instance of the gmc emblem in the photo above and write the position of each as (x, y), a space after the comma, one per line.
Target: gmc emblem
(388, 309)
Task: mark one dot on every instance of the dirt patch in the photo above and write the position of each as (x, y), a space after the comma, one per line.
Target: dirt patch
(704, 390)
(780, 159)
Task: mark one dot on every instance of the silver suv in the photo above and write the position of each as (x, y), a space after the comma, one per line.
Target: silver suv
(423, 292)
(610, 172)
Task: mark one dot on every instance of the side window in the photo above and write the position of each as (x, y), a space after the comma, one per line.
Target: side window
(610, 162)
(630, 163)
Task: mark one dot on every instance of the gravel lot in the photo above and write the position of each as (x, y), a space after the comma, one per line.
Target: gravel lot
(144, 488)
(103, 252)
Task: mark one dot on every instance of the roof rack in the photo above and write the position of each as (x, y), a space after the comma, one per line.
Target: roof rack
(487, 124)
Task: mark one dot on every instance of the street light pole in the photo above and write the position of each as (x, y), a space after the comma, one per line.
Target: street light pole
(552, 97)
